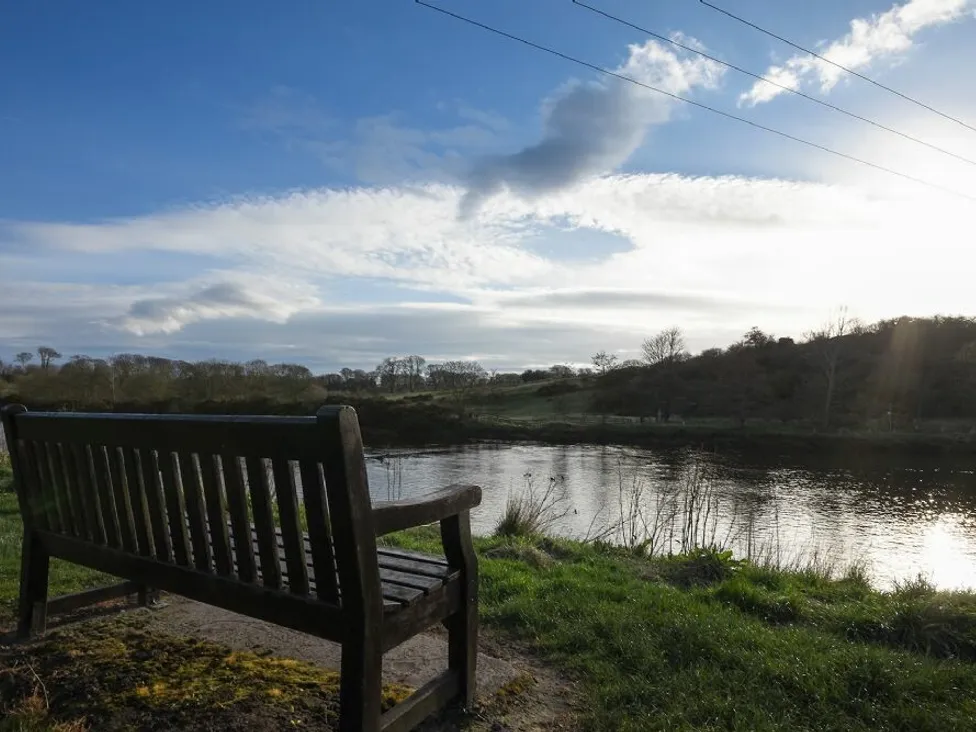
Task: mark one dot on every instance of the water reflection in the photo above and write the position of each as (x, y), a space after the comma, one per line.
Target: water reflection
(900, 517)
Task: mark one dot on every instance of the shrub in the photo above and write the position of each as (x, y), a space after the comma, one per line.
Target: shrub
(701, 567)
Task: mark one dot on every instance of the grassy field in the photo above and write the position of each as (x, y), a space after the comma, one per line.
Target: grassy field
(701, 642)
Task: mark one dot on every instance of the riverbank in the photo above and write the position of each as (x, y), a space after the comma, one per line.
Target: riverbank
(698, 642)
(420, 421)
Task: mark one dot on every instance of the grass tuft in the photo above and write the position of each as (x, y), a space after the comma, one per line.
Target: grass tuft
(534, 510)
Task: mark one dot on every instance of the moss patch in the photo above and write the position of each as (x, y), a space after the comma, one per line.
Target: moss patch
(113, 675)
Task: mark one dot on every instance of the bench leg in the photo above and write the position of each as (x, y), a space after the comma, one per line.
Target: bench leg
(462, 627)
(147, 596)
(361, 686)
(34, 567)
(462, 651)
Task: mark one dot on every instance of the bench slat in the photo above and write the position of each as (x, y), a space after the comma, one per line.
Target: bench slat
(149, 462)
(216, 513)
(239, 521)
(398, 583)
(195, 511)
(257, 481)
(291, 529)
(82, 473)
(33, 489)
(411, 566)
(318, 542)
(123, 501)
(106, 497)
(175, 507)
(136, 489)
(60, 466)
(53, 484)
(415, 556)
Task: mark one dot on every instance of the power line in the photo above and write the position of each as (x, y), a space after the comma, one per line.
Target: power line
(760, 77)
(878, 84)
(727, 115)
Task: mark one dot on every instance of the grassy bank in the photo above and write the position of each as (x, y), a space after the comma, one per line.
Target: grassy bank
(703, 641)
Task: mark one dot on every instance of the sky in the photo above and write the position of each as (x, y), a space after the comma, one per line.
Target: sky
(332, 182)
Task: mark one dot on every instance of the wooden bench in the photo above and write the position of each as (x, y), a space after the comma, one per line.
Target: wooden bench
(208, 507)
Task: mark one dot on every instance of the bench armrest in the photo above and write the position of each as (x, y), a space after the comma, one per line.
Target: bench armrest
(390, 516)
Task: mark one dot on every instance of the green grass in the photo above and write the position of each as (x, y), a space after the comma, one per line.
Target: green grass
(747, 648)
(65, 577)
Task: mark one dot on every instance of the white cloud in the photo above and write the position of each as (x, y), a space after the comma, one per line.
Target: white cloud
(881, 36)
(336, 277)
(591, 128)
(235, 297)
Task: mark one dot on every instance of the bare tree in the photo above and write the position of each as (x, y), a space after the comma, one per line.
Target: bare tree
(47, 355)
(828, 342)
(414, 366)
(664, 351)
(666, 347)
(24, 358)
(604, 362)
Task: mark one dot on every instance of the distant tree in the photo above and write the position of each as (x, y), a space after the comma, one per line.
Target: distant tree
(332, 381)
(530, 375)
(24, 358)
(604, 362)
(828, 343)
(755, 338)
(388, 372)
(506, 379)
(457, 377)
(562, 371)
(47, 355)
(414, 368)
(664, 351)
(667, 347)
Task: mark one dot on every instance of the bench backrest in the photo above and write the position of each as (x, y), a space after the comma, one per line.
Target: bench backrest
(186, 490)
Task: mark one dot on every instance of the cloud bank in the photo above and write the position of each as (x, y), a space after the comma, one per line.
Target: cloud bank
(346, 277)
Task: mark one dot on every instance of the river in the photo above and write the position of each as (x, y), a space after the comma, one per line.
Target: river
(898, 518)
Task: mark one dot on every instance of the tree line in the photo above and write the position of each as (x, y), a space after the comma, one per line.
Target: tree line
(890, 374)
(82, 380)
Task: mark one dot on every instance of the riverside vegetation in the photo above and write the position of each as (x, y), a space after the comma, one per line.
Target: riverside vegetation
(905, 384)
(698, 640)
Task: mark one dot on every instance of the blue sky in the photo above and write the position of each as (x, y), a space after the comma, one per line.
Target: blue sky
(333, 182)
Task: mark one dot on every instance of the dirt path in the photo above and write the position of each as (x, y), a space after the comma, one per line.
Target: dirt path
(515, 692)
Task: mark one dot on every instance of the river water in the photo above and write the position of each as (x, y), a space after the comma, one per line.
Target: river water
(899, 518)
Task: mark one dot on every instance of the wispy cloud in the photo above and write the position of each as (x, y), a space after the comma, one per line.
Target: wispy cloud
(590, 128)
(882, 36)
(377, 149)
